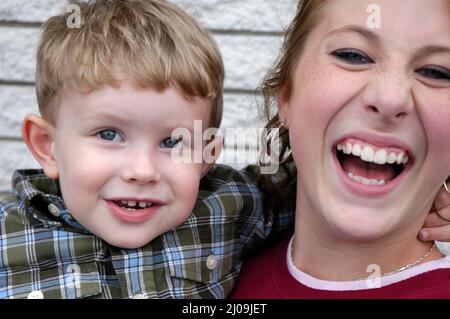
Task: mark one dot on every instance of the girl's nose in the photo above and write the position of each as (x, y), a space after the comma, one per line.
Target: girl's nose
(388, 98)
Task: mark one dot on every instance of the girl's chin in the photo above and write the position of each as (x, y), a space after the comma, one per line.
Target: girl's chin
(356, 227)
(361, 235)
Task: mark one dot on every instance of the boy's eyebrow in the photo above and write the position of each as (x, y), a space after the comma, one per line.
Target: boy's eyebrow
(124, 120)
(373, 37)
(107, 116)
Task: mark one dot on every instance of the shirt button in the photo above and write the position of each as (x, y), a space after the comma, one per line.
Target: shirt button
(54, 210)
(139, 296)
(211, 262)
(35, 295)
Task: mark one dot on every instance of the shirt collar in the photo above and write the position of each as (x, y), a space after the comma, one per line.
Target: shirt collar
(41, 196)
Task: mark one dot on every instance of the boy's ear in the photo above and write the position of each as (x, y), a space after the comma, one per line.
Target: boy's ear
(37, 134)
(211, 153)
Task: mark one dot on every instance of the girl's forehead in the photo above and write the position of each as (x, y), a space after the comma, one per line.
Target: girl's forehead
(410, 21)
(365, 11)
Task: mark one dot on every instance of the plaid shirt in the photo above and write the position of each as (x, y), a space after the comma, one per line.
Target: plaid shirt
(44, 250)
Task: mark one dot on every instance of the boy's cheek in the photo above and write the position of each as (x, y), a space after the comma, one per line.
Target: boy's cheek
(84, 169)
(187, 175)
(185, 180)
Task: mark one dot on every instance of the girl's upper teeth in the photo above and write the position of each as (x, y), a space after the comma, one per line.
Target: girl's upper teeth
(374, 154)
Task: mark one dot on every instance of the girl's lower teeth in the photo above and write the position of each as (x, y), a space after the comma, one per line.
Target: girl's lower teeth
(364, 180)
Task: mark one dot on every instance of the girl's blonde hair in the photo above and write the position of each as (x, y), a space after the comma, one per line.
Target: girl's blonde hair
(280, 77)
(152, 42)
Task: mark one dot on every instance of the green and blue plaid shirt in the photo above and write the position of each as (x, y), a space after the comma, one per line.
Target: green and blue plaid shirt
(43, 249)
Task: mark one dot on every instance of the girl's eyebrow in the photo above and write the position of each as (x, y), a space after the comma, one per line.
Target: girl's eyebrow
(375, 38)
(363, 32)
(431, 49)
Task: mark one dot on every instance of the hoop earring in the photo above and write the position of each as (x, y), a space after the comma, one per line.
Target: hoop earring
(286, 156)
(271, 136)
(289, 152)
(446, 187)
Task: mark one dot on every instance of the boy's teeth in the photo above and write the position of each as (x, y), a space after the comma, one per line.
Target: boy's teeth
(364, 180)
(368, 154)
(131, 205)
(142, 204)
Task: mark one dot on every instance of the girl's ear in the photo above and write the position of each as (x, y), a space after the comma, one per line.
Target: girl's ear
(283, 104)
(37, 134)
(212, 152)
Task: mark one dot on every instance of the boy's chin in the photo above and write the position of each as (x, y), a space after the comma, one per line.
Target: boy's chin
(128, 242)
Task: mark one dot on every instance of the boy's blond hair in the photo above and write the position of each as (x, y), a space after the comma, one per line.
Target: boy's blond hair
(153, 42)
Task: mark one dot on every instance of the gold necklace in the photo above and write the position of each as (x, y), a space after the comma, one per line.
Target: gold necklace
(408, 266)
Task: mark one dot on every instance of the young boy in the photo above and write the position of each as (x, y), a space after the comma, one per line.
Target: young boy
(109, 216)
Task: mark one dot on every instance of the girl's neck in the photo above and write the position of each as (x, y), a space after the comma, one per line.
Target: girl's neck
(329, 257)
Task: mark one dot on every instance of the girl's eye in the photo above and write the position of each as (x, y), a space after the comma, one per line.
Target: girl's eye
(170, 142)
(110, 135)
(352, 56)
(435, 73)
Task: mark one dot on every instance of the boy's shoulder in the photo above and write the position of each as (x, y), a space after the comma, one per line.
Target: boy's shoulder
(221, 176)
(27, 183)
(34, 201)
(35, 240)
(228, 193)
(226, 172)
(12, 203)
(29, 187)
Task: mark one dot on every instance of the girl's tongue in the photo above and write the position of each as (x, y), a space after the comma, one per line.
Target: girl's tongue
(356, 166)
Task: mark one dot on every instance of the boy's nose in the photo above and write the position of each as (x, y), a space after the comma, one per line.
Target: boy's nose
(388, 98)
(141, 168)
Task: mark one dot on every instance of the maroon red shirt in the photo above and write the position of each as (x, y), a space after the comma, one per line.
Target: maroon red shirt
(267, 276)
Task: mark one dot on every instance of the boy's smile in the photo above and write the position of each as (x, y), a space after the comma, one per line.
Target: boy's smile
(134, 210)
(112, 154)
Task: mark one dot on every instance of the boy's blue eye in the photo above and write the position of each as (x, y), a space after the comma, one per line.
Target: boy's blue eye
(109, 135)
(435, 73)
(170, 142)
(352, 56)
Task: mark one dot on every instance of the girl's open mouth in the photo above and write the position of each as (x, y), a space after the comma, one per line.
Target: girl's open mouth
(369, 170)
